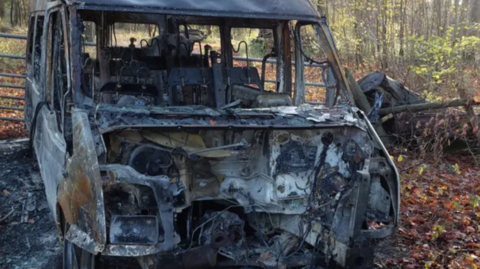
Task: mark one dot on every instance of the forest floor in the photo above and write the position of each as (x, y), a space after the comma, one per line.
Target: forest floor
(28, 238)
(28, 235)
(440, 213)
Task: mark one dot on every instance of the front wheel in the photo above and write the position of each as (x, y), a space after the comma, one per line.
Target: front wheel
(75, 257)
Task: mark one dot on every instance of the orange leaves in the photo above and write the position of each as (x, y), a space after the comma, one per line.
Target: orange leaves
(416, 220)
(440, 213)
(476, 99)
(11, 129)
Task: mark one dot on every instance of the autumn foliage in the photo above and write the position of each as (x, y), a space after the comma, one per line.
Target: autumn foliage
(11, 129)
(440, 214)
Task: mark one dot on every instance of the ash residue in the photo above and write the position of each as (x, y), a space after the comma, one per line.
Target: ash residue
(28, 237)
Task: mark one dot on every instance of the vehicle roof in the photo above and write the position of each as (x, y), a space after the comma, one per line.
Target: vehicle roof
(266, 9)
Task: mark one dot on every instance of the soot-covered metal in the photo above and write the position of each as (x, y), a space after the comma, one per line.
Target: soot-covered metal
(279, 9)
(186, 161)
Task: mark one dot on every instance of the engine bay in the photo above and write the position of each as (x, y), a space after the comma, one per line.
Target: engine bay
(256, 197)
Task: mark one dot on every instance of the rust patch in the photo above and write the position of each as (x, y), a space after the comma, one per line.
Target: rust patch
(64, 198)
(82, 192)
(74, 195)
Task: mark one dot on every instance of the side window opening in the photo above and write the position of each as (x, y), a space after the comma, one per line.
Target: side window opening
(89, 37)
(37, 49)
(30, 41)
(260, 44)
(89, 56)
(318, 77)
(56, 75)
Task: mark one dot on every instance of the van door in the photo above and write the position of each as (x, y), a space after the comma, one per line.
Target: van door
(49, 140)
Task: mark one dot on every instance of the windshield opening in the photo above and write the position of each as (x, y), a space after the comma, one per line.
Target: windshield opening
(131, 59)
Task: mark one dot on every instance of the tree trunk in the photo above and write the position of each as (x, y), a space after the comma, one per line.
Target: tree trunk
(402, 27)
(358, 36)
(12, 22)
(2, 9)
(384, 42)
(428, 106)
(464, 17)
(475, 17)
(456, 21)
(438, 15)
(446, 7)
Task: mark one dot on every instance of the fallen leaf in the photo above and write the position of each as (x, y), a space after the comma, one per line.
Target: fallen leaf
(417, 219)
(6, 192)
(472, 245)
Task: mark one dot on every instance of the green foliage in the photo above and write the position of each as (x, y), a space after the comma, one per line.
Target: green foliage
(440, 59)
(474, 201)
(258, 48)
(11, 47)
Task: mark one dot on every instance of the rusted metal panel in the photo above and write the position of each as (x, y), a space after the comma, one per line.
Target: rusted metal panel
(299, 93)
(81, 191)
(284, 68)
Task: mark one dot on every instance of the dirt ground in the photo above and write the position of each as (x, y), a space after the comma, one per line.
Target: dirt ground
(28, 236)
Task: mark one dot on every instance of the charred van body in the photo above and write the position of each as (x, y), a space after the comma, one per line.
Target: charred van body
(165, 150)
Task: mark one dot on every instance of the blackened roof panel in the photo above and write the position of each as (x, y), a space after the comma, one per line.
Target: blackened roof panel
(274, 9)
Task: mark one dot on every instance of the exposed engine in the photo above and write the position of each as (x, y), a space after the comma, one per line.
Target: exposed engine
(268, 198)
